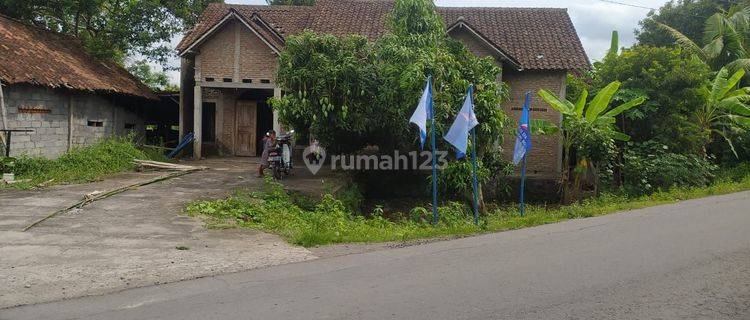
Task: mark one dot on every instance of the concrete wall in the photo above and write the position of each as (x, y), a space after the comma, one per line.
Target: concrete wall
(46, 111)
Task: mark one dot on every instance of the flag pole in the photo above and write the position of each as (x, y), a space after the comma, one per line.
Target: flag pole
(523, 184)
(475, 167)
(434, 160)
(523, 161)
(474, 176)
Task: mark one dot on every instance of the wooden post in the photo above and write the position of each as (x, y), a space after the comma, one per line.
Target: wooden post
(197, 123)
(2, 112)
(70, 122)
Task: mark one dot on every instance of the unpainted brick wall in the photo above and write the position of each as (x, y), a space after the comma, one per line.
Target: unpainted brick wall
(50, 129)
(217, 56)
(545, 156)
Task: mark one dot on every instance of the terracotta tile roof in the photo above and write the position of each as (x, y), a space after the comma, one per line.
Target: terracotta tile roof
(36, 56)
(537, 38)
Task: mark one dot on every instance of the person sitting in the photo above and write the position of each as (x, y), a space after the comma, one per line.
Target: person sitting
(269, 142)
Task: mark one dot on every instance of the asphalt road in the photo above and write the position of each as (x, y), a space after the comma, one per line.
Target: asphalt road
(685, 261)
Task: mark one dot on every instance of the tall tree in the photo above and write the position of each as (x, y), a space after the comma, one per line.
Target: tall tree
(672, 81)
(685, 16)
(113, 29)
(725, 36)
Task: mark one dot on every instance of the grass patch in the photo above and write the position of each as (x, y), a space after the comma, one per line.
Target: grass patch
(108, 156)
(330, 221)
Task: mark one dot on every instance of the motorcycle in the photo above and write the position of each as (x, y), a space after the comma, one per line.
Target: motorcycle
(280, 158)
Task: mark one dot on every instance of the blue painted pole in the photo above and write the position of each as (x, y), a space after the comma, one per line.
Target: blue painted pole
(434, 158)
(523, 184)
(474, 176)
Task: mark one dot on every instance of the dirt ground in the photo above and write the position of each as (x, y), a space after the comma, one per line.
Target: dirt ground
(133, 239)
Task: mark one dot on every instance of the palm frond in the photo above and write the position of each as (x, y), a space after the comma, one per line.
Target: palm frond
(743, 64)
(683, 41)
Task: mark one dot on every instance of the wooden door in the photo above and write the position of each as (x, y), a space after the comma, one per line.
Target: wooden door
(246, 115)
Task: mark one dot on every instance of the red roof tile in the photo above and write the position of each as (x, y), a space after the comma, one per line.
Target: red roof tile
(35, 56)
(538, 38)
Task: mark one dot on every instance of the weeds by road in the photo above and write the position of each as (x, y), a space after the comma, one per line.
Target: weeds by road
(111, 155)
(275, 211)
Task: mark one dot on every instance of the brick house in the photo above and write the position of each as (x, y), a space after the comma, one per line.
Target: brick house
(229, 63)
(51, 86)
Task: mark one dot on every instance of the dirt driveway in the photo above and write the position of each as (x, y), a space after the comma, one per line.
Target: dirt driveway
(128, 240)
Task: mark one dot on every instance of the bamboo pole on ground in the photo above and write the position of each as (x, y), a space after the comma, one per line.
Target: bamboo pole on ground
(91, 197)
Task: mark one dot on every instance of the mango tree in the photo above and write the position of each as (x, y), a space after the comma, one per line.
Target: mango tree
(588, 133)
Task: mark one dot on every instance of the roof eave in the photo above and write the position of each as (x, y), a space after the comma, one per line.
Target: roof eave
(461, 23)
(234, 14)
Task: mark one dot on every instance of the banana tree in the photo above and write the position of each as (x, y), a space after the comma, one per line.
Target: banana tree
(726, 109)
(588, 128)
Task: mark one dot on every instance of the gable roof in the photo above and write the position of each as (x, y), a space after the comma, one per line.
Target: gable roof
(254, 23)
(36, 56)
(535, 38)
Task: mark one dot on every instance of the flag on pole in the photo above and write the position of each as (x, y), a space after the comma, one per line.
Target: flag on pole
(523, 139)
(458, 135)
(423, 112)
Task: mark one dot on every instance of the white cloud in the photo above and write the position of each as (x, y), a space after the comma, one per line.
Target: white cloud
(594, 19)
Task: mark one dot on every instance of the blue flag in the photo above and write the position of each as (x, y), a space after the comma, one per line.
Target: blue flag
(423, 112)
(458, 135)
(523, 139)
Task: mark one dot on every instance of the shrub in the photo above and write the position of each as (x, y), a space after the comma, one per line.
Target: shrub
(108, 156)
(650, 166)
(456, 179)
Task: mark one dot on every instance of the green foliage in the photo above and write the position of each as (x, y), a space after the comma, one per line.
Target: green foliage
(156, 80)
(329, 221)
(724, 38)
(351, 197)
(686, 16)
(671, 81)
(650, 166)
(113, 29)
(352, 93)
(456, 179)
(576, 83)
(7, 164)
(106, 157)
(589, 133)
(726, 111)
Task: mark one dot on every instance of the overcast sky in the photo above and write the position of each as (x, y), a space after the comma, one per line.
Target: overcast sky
(594, 19)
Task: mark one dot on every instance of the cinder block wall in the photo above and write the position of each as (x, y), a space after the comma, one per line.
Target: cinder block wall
(46, 111)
